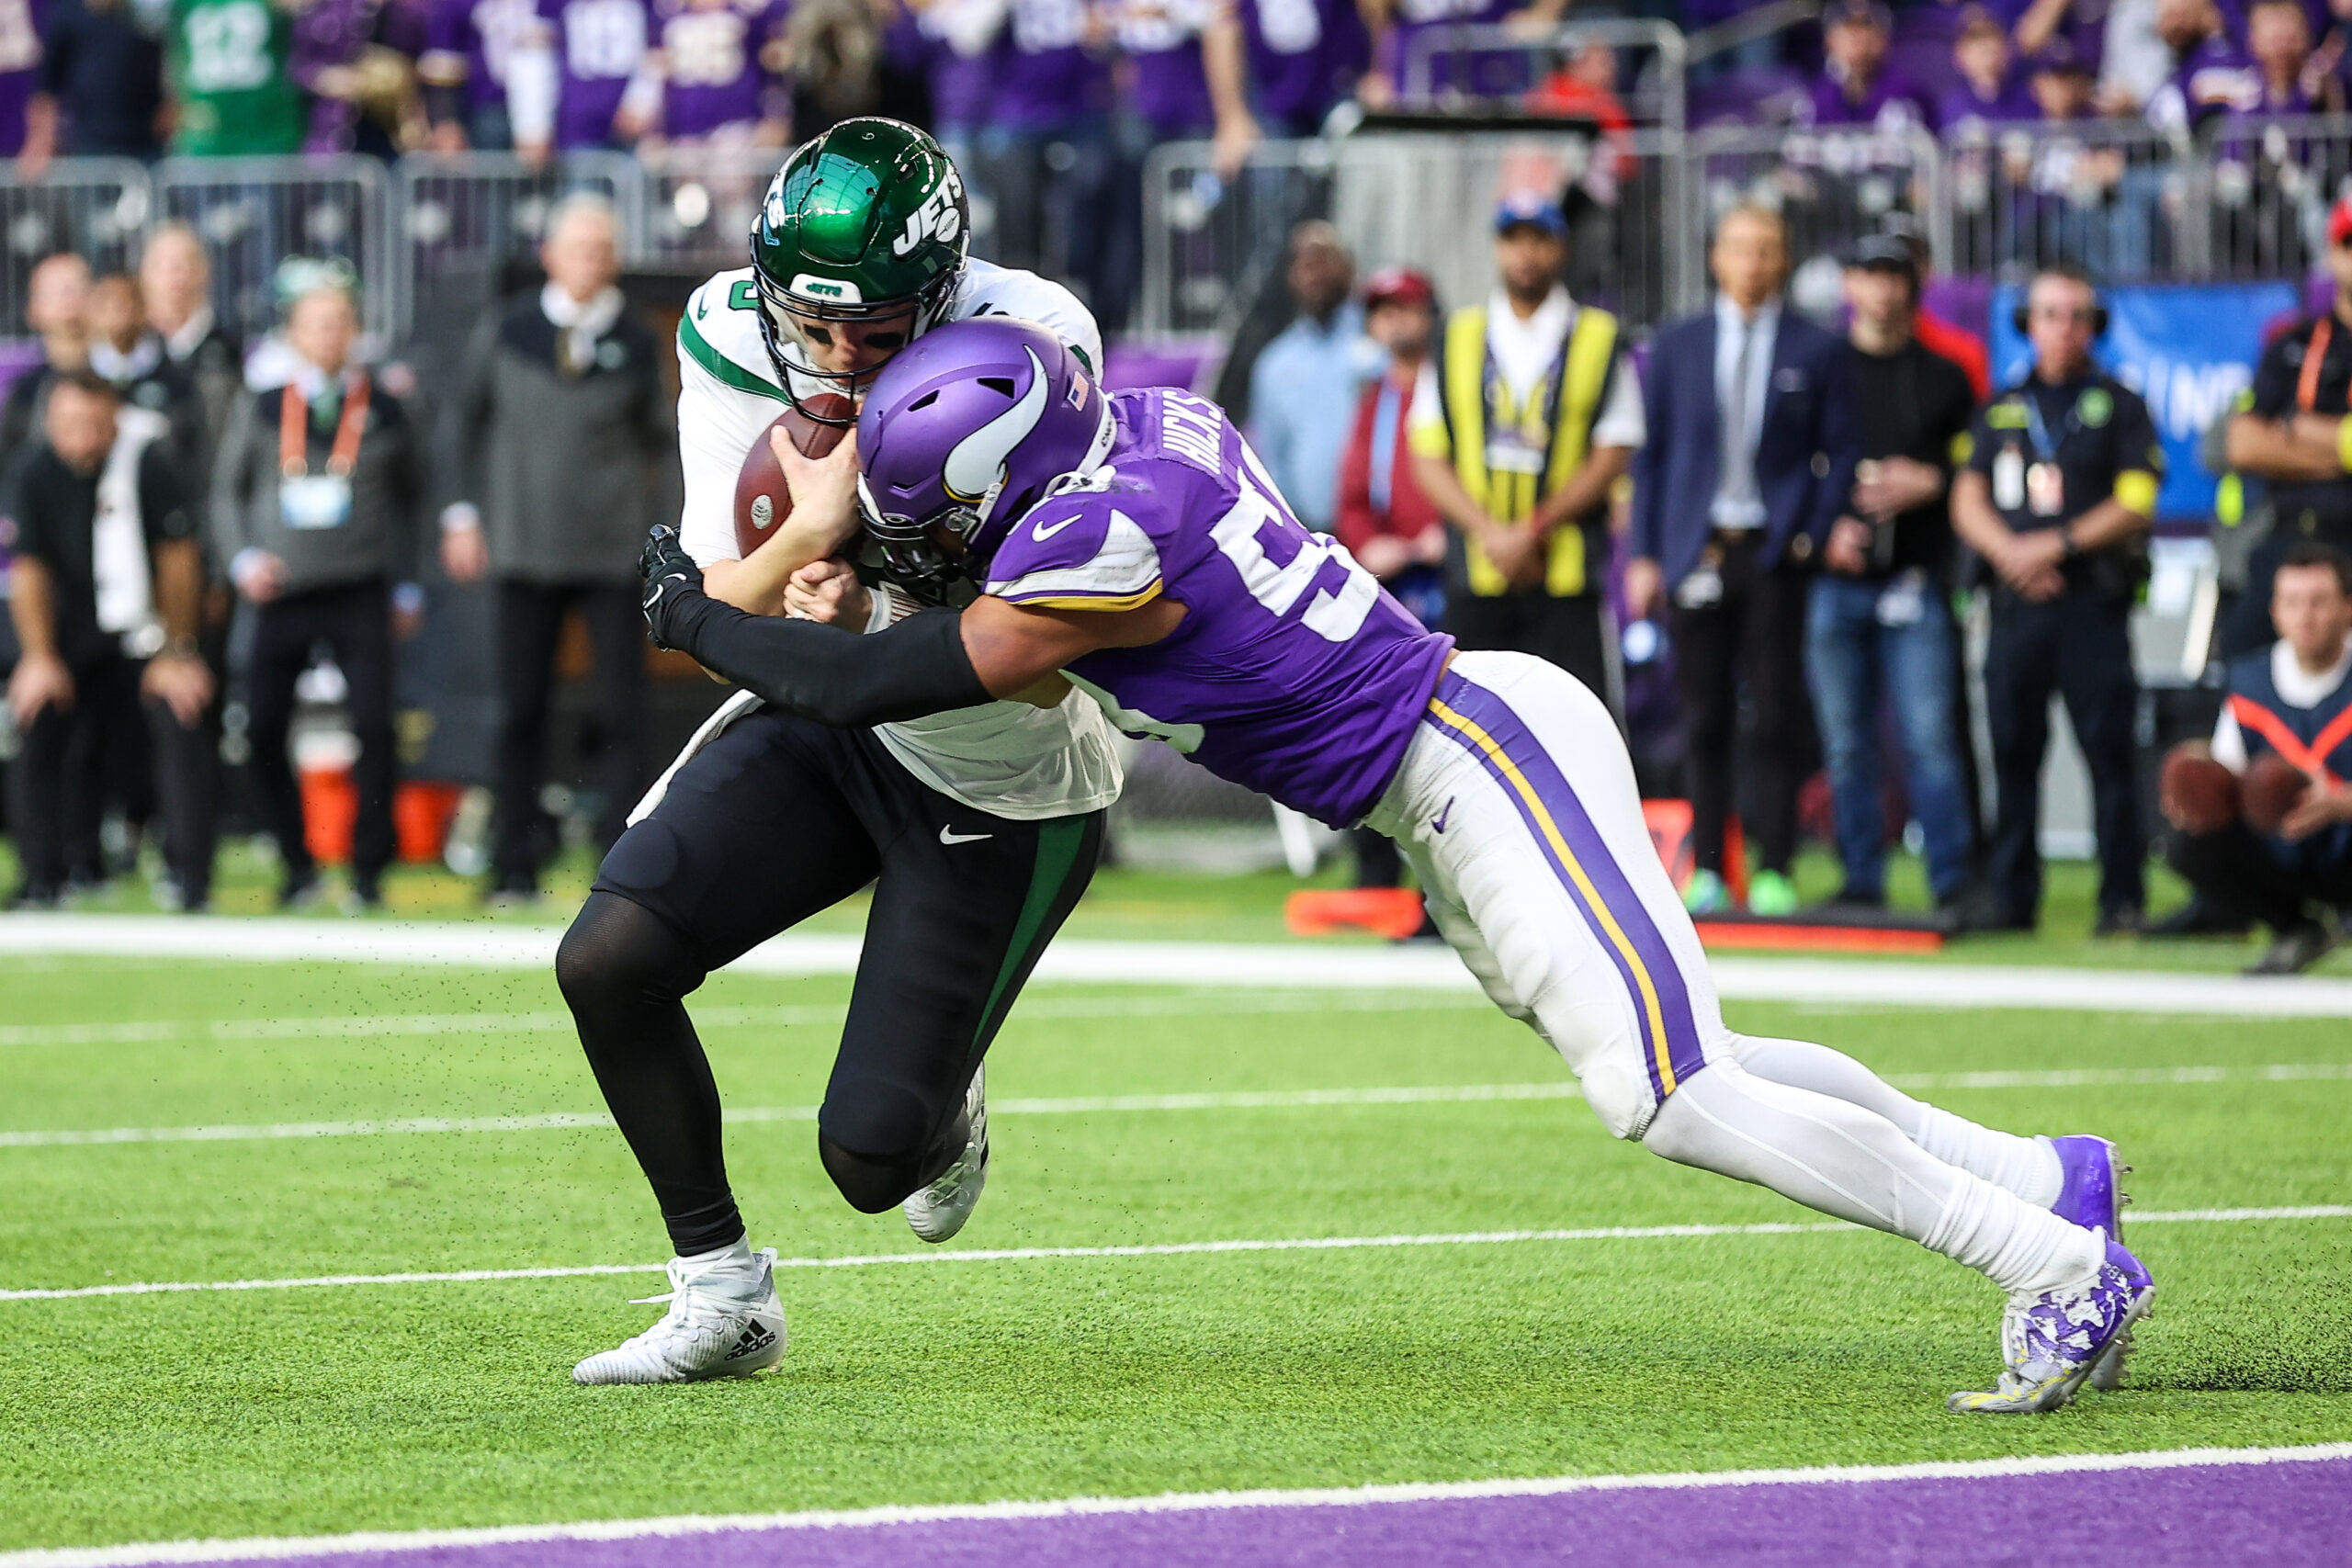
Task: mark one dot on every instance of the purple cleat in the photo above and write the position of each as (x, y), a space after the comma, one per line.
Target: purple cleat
(2093, 1197)
(2051, 1342)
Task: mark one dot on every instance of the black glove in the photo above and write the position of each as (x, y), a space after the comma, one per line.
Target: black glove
(671, 576)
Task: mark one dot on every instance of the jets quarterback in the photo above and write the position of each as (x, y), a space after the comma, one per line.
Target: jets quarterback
(978, 827)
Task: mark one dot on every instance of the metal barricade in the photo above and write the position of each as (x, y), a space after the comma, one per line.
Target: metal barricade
(1426, 199)
(700, 203)
(1831, 188)
(1211, 246)
(254, 213)
(97, 208)
(461, 219)
(1450, 67)
(2126, 201)
(2270, 182)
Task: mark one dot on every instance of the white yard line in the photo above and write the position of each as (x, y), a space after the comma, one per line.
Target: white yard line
(1164, 1249)
(824, 1014)
(1248, 965)
(283, 1547)
(1235, 1099)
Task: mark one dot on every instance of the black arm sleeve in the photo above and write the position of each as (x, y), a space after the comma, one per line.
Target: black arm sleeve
(836, 677)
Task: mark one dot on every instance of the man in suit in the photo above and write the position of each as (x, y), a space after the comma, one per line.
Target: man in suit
(1754, 431)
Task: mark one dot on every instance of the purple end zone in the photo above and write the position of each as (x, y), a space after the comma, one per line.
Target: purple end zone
(2294, 1514)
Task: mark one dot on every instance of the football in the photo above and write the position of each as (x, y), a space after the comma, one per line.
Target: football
(2197, 794)
(762, 498)
(2271, 787)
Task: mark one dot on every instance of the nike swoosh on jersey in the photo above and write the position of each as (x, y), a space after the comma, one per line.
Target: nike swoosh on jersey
(949, 836)
(1041, 532)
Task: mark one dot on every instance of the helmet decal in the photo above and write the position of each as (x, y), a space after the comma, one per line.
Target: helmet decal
(941, 216)
(832, 291)
(977, 462)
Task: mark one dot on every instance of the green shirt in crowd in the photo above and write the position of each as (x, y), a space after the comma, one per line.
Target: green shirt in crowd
(230, 73)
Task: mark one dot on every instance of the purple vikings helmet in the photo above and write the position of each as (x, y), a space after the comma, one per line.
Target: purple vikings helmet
(966, 429)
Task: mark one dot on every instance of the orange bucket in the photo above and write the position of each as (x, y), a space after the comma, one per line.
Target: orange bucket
(1392, 912)
(422, 811)
(329, 807)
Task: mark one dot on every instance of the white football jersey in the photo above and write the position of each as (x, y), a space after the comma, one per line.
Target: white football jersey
(1009, 759)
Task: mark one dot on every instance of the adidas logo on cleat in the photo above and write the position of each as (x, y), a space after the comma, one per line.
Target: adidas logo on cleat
(756, 1337)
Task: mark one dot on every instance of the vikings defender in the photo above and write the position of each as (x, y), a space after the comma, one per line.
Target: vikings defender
(1135, 542)
(980, 827)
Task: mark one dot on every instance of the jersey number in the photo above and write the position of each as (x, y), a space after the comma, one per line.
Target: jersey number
(1320, 574)
(228, 48)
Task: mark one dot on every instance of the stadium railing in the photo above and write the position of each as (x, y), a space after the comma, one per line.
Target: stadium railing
(699, 203)
(463, 218)
(1426, 198)
(1832, 186)
(2126, 200)
(1211, 246)
(254, 212)
(98, 206)
(1470, 63)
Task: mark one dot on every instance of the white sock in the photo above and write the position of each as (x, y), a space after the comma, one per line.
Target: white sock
(2023, 1250)
(2026, 1167)
(1832, 1155)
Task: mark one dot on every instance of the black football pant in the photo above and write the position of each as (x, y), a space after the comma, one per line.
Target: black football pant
(1751, 637)
(777, 818)
(71, 754)
(530, 620)
(2242, 878)
(354, 626)
(2077, 645)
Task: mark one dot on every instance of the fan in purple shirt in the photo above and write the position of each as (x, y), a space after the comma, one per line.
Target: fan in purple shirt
(580, 78)
(1405, 29)
(467, 47)
(354, 59)
(1990, 92)
(20, 32)
(962, 42)
(2210, 74)
(1049, 77)
(1857, 87)
(1186, 56)
(1304, 57)
(721, 65)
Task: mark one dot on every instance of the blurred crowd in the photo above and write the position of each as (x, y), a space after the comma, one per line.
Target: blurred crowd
(1796, 518)
(201, 535)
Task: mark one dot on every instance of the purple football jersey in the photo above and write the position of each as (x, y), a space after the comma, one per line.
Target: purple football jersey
(471, 40)
(1421, 28)
(712, 75)
(1292, 672)
(599, 45)
(2015, 103)
(20, 53)
(1889, 105)
(1047, 77)
(1162, 39)
(1304, 56)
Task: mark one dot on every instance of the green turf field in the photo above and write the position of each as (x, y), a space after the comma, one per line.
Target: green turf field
(416, 1405)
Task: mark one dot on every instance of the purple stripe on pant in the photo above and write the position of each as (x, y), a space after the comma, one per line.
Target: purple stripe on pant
(1492, 715)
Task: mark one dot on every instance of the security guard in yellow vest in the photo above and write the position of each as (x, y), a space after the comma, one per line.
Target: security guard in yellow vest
(1519, 430)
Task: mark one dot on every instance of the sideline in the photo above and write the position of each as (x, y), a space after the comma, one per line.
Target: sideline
(1084, 1105)
(265, 1548)
(1264, 965)
(1162, 1249)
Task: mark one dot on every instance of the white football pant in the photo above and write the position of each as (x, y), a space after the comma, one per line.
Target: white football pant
(1516, 806)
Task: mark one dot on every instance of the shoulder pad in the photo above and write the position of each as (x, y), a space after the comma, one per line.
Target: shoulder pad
(1078, 551)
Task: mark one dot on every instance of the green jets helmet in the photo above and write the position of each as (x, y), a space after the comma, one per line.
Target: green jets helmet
(863, 222)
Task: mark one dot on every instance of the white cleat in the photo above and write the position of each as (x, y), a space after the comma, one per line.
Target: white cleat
(724, 1322)
(939, 1210)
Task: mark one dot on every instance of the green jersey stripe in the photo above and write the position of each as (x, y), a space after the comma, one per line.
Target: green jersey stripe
(694, 344)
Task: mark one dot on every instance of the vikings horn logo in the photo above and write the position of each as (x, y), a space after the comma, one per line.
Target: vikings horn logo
(978, 461)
